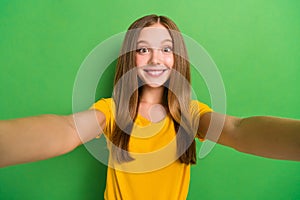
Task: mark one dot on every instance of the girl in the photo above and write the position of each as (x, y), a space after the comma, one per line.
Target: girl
(150, 122)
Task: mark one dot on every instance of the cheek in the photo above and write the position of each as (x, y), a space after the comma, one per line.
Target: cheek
(140, 60)
(169, 61)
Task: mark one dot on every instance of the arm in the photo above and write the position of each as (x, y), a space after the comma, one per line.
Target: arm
(271, 137)
(37, 138)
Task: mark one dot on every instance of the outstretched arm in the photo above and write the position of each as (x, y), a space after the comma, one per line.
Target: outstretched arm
(37, 138)
(271, 137)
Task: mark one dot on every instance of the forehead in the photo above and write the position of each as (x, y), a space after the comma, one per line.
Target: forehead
(154, 35)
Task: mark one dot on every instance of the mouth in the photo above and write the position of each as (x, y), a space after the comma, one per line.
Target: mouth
(155, 72)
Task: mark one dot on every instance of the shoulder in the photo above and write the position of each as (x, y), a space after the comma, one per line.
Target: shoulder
(103, 104)
(105, 100)
(106, 106)
(199, 107)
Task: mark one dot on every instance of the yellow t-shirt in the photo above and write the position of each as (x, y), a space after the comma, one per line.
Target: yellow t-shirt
(156, 173)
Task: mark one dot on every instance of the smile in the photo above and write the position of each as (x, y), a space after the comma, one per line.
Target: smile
(155, 73)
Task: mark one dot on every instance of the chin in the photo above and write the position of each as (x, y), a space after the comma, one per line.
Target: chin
(154, 85)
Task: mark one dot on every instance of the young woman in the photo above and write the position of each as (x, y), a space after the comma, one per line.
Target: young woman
(150, 122)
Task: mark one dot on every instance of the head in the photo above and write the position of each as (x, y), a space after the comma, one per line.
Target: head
(154, 53)
(153, 41)
(154, 57)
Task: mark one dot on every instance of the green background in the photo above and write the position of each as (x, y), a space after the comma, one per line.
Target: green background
(255, 44)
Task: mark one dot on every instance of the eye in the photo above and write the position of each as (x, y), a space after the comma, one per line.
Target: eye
(167, 49)
(142, 50)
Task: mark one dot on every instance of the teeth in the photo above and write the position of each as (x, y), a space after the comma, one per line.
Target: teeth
(155, 72)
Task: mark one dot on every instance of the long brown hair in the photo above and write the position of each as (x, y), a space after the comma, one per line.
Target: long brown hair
(176, 95)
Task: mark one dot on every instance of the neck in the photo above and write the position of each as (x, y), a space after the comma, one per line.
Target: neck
(152, 95)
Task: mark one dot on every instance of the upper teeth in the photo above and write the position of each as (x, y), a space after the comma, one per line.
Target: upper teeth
(155, 72)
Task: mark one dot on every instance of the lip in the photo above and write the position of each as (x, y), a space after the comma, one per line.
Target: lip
(155, 72)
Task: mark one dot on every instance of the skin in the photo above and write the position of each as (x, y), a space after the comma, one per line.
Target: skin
(154, 53)
(37, 138)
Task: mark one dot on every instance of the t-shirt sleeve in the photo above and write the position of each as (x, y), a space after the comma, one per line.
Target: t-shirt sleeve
(197, 108)
(105, 106)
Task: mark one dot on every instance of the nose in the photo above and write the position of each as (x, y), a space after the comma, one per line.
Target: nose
(156, 57)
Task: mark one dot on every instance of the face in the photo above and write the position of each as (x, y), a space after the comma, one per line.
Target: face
(154, 55)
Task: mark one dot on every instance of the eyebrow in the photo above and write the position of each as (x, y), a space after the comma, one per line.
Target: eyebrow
(144, 41)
